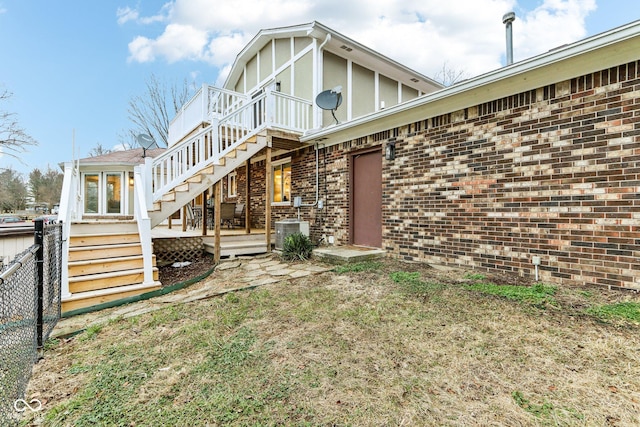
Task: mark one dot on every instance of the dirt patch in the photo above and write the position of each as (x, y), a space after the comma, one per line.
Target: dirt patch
(170, 275)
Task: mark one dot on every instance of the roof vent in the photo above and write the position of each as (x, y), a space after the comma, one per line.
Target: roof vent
(345, 47)
(508, 19)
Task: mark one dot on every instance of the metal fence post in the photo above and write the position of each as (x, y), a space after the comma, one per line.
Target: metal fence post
(39, 240)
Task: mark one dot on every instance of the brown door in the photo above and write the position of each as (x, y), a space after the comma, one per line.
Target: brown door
(366, 190)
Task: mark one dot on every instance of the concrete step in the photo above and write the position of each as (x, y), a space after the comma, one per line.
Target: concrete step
(347, 254)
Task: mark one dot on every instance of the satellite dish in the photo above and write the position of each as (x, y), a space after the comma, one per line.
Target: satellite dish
(330, 99)
(145, 141)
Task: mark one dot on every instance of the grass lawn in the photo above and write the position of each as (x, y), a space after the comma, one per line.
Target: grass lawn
(377, 344)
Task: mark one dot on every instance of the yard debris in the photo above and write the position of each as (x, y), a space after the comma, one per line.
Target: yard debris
(180, 264)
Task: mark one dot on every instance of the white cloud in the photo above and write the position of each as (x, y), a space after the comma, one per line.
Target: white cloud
(550, 25)
(126, 14)
(121, 147)
(178, 42)
(467, 34)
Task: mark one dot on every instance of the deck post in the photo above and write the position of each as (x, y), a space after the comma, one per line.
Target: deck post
(216, 222)
(204, 212)
(247, 204)
(184, 218)
(268, 190)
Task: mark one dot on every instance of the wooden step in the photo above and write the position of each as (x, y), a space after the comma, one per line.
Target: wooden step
(169, 196)
(92, 298)
(182, 187)
(108, 280)
(238, 248)
(206, 171)
(103, 227)
(196, 179)
(94, 266)
(103, 239)
(85, 253)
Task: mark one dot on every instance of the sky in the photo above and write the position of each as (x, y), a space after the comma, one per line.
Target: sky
(72, 66)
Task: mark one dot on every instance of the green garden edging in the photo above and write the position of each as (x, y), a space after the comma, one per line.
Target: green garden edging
(141, 297)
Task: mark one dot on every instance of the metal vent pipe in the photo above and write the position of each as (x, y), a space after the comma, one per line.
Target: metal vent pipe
(507, 19)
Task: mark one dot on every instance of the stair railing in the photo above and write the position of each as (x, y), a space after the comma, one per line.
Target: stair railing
(69, 205)
(234, 121)
(144, 223)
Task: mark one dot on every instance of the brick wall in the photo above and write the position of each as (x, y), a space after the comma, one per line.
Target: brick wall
(552, 172)
(333, 191)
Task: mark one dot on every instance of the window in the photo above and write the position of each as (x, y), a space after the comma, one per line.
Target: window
(281, 183)
(103, 193)
(113, 192)
(232, 184)
(91, 193)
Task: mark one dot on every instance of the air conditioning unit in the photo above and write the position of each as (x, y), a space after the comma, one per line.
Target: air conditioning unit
(287, 227)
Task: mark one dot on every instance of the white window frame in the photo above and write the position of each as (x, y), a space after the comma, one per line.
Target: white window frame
(102, 192)
(274, 165)
(84, 192)
(232, 179)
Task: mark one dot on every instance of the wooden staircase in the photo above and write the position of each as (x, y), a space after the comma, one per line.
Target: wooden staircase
(197, 183)
(105, 264)
(105, 257)
(107, 260)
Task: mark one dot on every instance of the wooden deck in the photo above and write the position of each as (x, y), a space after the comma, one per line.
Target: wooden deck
(233, 242)
(227, 233)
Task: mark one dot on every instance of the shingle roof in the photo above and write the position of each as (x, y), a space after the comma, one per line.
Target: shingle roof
(129, 157)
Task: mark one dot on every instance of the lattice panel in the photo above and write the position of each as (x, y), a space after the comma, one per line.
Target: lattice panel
(179, 249)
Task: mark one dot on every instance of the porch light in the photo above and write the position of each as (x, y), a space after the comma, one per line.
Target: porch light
(390, 150)
(278, 86)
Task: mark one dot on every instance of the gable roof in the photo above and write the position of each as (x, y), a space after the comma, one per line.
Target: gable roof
(614, 47)
(337, 43)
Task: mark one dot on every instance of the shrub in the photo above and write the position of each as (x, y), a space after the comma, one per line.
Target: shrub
(297, 246)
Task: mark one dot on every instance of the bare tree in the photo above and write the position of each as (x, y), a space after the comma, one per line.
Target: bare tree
(98, 150)
(13, 138)
(449, 76)
(152, 111)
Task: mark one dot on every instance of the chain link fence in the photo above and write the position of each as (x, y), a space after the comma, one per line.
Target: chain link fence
(29, 310)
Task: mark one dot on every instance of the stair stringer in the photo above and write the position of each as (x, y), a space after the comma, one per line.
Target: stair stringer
(189, 189)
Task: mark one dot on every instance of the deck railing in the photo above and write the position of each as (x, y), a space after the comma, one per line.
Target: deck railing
(234, 120)
(291, 113)
(209, 100)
